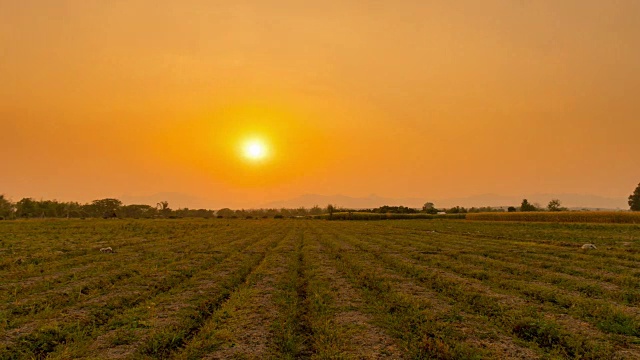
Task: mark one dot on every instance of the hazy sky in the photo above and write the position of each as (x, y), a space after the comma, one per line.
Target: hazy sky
(409, 98)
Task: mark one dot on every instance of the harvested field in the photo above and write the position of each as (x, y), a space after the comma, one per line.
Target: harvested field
(609, 217)
(256, 289)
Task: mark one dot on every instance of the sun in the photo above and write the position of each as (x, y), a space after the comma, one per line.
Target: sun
(255, 149)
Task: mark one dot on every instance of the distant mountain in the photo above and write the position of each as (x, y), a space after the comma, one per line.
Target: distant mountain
(181, 200)
(176, 200)
(567, 200)
(373, 201)
(370, 201)
(583, 201)
(492, 200)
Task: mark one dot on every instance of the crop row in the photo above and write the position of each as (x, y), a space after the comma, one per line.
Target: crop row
(623, 217)
(288, 289)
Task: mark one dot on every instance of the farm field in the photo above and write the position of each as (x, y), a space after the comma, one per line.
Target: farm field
(260, 289)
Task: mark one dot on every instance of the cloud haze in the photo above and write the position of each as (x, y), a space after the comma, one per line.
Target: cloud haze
(406, 99)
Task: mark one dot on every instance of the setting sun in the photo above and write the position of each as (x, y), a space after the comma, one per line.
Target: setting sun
(431, 179)
(255, 149)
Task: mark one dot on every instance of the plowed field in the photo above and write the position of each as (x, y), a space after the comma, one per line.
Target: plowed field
(278, 289)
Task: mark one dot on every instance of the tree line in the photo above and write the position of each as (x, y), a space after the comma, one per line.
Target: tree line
(114, 208)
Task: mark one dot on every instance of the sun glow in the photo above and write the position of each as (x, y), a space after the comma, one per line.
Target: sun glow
(255, 149)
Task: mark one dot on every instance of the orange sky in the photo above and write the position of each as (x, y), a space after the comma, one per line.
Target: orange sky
(417, 98)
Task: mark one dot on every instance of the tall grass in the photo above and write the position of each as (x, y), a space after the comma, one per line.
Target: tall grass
(621, 217)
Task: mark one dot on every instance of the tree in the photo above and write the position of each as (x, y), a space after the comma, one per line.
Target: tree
(162, 205)
(634, 200)
(138, 211)
(6, 208)
(456, 210)
(526, 206)
(285, 212)
(163, 208)
(105, 207)
(429, 208)
(316, 210)
(27, 207)
(330, 210)
(394, 210)
(511, 209)
(226, 213)
(556, 205)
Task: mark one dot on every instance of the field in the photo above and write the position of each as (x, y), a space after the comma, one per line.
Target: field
(609, 217)
(276, 288)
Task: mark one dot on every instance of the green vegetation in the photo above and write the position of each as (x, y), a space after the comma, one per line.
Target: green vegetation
(28, 208)
(285, 289)
(556, 205)
(634, 199)
(113, 208)
(526, 206)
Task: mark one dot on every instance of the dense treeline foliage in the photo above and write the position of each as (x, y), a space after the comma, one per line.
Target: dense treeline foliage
(434, 211)
(114, 208)
(425, 210)
(395, 210)
(106, 208)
